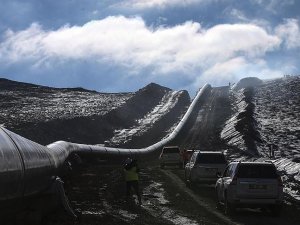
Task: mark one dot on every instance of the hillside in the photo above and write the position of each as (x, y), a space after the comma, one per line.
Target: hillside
(45, 114)
(267, 113)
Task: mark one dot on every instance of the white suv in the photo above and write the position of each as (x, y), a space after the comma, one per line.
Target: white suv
(250, 184)
(204, 166)
(170, 155)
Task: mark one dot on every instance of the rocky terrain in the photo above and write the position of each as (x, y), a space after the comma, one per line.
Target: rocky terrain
(267, 113)
(45, 114)
(28, 103)
(277, 111)
(242, 120)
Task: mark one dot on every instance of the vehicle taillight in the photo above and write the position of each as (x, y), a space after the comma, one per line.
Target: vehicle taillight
(234, 181)
(279, 181)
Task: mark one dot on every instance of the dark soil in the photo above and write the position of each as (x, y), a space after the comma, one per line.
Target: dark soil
(203, 129)
(45, 115)
(98, 192)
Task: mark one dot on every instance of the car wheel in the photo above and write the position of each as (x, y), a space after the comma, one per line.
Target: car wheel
(228, 207)
(188, 181)
(218, 203)
(191, 183)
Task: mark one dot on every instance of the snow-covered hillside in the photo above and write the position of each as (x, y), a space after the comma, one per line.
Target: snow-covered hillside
(167, 103)
(277, 111)
(23, 103)
(45, 114)
(266, 114)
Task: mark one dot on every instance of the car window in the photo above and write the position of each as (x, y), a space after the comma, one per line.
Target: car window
(227, 171)
(193, 158)
(256, 171)
(211, 158)
(233, 170)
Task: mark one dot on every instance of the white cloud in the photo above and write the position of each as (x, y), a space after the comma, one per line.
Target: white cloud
(274, 6)
(289, 32)
(129, 42)
(144, 4)
(235, 69)
(224, 72)
(240, 16)
(218, 53)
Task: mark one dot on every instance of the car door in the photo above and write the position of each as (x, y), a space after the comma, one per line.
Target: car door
(223, 182)
(190, 164)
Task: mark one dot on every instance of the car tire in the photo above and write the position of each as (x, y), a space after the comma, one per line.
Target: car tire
(229, 208)
(185, 178)
(188, 181)
(191, 183)
(218, 203)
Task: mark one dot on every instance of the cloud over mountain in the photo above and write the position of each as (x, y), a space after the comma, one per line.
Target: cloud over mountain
(130, 42)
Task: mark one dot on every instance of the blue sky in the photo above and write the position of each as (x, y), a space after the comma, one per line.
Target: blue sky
(117, 46)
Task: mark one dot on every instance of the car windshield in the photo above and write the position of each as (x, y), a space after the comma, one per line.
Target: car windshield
(256, 171)
(171, 150)
(211, 158)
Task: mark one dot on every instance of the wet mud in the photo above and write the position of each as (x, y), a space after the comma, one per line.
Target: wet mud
(98, 193)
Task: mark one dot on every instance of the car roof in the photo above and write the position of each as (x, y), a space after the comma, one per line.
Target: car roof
(253, 163)
(209, 152)
(171, 146)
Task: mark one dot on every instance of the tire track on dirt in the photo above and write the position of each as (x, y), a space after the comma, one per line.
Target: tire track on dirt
(200, 201)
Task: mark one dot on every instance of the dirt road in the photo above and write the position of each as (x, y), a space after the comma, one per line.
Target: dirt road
(98, 192)
(204, 130)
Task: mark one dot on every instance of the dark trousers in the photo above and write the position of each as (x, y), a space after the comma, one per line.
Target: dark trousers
(135, 185)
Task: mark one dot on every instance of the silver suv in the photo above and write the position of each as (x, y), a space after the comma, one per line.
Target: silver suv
(170, 155)
(250, 184)
(204, 166)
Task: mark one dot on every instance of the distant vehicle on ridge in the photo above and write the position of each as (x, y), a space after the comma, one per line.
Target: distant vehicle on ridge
(204, 166)
(169, 156)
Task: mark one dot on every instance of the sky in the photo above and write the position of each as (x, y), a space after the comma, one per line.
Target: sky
(121, 46)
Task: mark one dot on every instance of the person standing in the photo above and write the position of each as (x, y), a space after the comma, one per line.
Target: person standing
(131, 171)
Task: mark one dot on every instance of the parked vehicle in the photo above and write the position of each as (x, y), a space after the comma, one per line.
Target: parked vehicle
(186, 155)
(189, 153)
(170, 155)
(204, 166)
(250, 184)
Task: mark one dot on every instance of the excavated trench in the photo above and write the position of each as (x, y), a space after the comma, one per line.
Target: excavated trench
(97, 191)
(203, 129)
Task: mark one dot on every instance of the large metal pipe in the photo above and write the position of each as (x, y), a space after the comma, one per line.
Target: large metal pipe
(28, 168)
(143, 153)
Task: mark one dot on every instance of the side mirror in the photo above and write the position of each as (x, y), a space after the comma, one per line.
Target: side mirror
(219, 175)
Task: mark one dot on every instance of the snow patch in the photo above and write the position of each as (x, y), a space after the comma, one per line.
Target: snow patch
(168, 102)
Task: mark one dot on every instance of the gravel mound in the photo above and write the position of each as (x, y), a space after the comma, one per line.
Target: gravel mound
(45, 114)
(247, 82)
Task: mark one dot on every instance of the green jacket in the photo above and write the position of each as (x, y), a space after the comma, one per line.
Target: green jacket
(131, 174)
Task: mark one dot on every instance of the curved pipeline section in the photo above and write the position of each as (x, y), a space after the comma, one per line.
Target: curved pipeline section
(28, 168)
(143, 153)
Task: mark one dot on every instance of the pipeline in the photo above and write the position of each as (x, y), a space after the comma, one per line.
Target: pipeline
(121, 153)
(28, 168)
